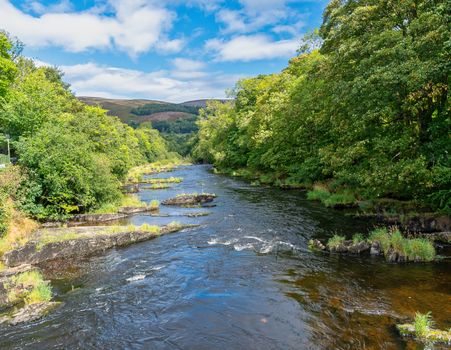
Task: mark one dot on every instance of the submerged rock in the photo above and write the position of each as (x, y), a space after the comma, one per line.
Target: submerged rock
(29, 313)
(315, 244)
(190, 199)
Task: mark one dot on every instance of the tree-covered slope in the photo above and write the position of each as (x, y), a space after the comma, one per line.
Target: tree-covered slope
(367, 115)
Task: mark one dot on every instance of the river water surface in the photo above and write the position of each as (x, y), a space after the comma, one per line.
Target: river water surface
(243, 279)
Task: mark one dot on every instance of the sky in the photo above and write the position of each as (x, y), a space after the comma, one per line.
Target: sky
(170, 50)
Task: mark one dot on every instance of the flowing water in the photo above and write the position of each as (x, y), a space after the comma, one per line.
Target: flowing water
(243, 279)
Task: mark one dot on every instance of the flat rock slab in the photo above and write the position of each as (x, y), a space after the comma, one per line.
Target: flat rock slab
(98, 217)
(34, 253)
(133, 210)
(29, 313)
(190, 199)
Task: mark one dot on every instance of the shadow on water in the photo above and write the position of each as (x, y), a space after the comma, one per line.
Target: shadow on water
(244, 279)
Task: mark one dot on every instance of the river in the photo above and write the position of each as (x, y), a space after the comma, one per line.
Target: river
(243, 279)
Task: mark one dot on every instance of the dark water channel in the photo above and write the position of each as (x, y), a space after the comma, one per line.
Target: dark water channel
(244, 279)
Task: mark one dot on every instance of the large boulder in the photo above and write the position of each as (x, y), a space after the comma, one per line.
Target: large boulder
(190, 199)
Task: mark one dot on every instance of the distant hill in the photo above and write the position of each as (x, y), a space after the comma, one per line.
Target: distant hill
(137, 111)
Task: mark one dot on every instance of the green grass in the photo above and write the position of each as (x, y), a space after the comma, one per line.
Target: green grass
(357, 238)
(318, 195)
(335, 241)
(414, 249)
(42, 292)
(321, 192)
(40, 289)
(48, 238)
(339, 199)
(128, 200)
(164, 180)
(154, 204)
(423, 324)
(158, 186)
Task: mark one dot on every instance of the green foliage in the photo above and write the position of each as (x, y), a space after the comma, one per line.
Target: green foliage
(152, 108)
(74, 156)
(335, 241)
(423, 324)
(179, 126)
(357, 238)
(368, 111)
(414, 249)
(8, 69)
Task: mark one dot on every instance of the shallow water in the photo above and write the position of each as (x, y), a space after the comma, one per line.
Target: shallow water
(244, 279)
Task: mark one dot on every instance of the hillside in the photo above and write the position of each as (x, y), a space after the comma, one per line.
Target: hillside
(129, 110)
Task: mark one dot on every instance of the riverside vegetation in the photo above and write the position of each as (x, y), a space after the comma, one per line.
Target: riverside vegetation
(362, 113)
(71, 158)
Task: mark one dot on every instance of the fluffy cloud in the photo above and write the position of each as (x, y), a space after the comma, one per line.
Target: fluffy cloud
(91, 79)
(135, 27)
(251, 47)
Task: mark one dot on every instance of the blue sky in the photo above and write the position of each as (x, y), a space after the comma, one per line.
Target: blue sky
(166, 50)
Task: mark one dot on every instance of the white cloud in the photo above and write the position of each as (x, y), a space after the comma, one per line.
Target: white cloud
(187, 64)
(91, 79)
(39, 8)
(135, 27)
(251, 47)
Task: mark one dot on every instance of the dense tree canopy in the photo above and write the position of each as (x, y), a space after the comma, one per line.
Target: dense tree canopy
(72, 157)
(368, 111)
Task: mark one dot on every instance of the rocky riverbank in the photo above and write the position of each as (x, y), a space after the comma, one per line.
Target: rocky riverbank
(25, 295)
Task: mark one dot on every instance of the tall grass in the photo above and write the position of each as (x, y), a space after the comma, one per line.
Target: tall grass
(20, 229)
(39, 289)
(423, 324)
(415, 249)
(335, 241)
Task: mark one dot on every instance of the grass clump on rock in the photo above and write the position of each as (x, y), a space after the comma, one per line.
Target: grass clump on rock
(422, 330)
(37, 289)
(396, 247)
(335, 241)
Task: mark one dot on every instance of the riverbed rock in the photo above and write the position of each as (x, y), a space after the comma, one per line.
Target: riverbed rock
(432, 335)
(134, 210)
(30, 313)
(91, 218)
(315, 244)
(360, 247)
(190, 199)
(376, 248)
(35, 252)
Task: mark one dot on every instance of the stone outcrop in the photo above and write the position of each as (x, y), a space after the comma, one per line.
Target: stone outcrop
(35, 252)
(91, 218)
(190, 199)
(350, 247)
(134, 210)
(29, 313)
